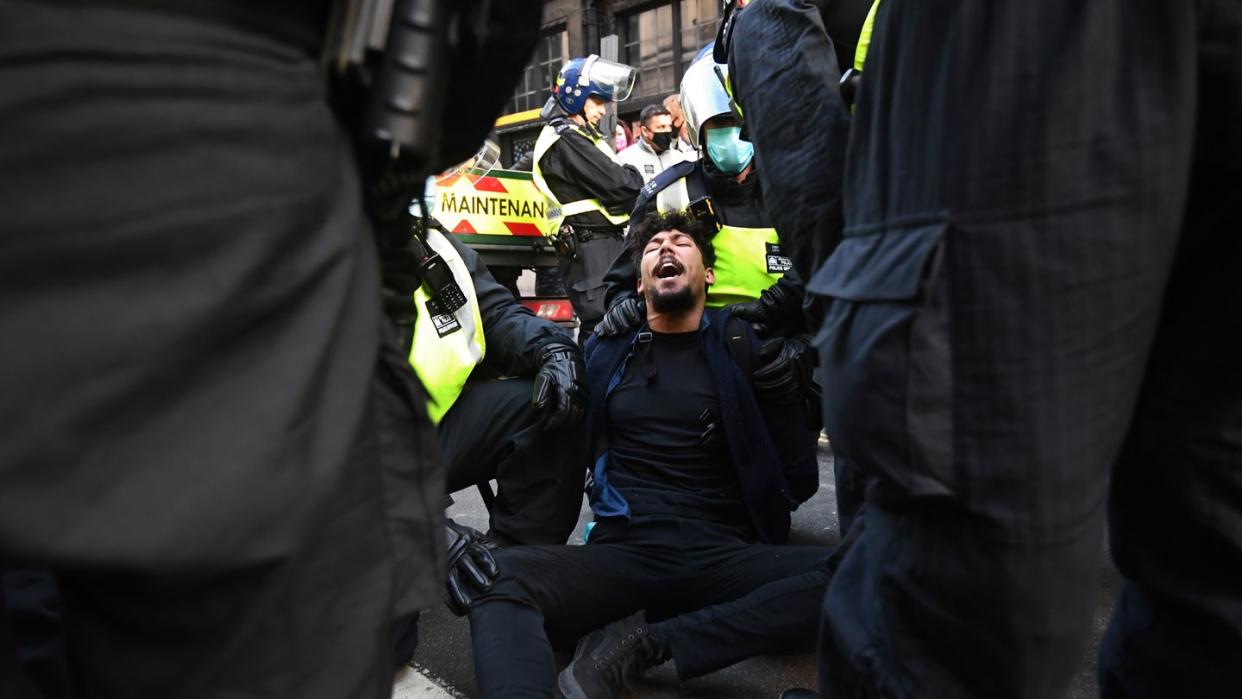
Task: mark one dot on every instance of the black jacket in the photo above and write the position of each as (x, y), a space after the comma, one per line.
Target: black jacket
(514, 335)
(575, 169)
(773, 443)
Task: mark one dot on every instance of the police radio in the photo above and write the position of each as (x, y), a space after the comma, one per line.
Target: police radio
(703, 210)
(436, 275)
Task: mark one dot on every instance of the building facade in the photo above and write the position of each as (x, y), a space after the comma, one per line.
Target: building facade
(659, 38)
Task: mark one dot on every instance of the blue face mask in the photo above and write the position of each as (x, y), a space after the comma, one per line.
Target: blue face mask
(727, 150)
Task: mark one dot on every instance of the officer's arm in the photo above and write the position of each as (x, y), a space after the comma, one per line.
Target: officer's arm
(621, 280)
(513, 334)
(799, 144)
(615, 186)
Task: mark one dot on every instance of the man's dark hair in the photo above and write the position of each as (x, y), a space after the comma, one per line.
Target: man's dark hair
(656, 222)
(650, 112)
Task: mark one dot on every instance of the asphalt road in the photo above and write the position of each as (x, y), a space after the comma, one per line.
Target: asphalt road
(444, 654)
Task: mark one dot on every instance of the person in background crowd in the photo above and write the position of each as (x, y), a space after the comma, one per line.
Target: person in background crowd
(653, 153)
(621, 138)
(673, 104)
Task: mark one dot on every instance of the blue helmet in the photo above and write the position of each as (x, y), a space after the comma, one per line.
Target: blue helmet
(592, 76)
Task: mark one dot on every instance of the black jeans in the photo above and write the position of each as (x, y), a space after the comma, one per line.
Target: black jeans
(492, 431)
(718, 597)
(1034, 315)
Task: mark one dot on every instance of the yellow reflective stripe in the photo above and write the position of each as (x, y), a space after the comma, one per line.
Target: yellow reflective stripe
(864, 37)
(443, 364)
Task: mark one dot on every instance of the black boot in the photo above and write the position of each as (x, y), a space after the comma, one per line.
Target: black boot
(609, 659)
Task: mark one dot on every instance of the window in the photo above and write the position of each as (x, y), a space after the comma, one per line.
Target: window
(535, 85)
(649, 48)
(698, 27)
(661, 41)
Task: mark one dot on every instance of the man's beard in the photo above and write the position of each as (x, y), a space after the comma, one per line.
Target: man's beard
(678, 301)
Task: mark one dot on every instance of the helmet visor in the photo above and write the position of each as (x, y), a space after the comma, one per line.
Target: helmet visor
(615, 80)
(702, 97)
(484, 160)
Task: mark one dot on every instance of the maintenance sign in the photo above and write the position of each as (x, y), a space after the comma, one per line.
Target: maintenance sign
(502, 202)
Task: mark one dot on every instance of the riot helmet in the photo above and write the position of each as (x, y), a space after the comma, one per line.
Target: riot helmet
(592, 76)
(703, 97)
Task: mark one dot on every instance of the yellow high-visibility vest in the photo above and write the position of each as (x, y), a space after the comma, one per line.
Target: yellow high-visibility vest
(447, 346)
(864, 37)
(549, 136)
(748, 260)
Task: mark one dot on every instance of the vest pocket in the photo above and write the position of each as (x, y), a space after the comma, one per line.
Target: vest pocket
(886, 358)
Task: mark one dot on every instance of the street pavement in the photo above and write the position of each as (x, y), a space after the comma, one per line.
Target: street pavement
(444, 664)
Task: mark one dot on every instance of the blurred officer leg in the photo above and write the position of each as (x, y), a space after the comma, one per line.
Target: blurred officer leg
(1176, 508)
(192, 325)
(991, 308)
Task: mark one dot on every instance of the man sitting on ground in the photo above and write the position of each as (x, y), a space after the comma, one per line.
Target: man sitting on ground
(694, 481)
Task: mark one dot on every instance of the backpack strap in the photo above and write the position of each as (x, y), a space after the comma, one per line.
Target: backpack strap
(649, 191)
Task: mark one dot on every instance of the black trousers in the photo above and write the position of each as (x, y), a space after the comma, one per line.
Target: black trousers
(584, 277)
(492, 431)
(1033, 318)
(207, 437)
(721, 599)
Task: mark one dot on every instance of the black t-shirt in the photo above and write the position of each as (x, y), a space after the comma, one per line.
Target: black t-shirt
(657, 415)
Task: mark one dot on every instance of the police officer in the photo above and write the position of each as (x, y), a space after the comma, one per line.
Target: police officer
(210, 435)
(519, 430)
(575, 167)
(801, 142)
(1000, 445)
(752, 270)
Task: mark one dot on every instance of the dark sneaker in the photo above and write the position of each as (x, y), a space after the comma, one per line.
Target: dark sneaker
(609, 659)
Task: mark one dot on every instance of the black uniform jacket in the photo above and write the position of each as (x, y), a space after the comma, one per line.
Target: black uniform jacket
(514, 334)
(576, 169)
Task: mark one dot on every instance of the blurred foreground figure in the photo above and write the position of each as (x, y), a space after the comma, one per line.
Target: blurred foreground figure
(211, 437)
(1033, 314)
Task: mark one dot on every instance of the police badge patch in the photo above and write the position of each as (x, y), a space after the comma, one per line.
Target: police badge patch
(444, 323)
(777, 262)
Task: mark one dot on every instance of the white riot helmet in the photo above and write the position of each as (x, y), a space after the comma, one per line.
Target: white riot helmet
(703, 96)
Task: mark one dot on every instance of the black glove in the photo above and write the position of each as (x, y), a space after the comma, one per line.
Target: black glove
(560, 385)
(786, 365)
(625, 315)
(777, 310)
(471, 567)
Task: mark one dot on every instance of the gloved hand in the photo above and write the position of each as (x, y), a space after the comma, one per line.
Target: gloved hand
(471, 567)
(786, 365)
(560, 385)
(625, 315)
(777, 310)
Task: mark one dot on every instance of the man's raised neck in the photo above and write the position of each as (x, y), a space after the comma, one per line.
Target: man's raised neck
(680, 322)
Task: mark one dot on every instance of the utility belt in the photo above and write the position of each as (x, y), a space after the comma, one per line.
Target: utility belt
(567, 239)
